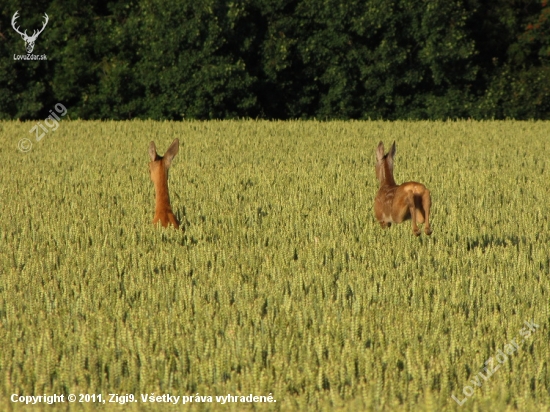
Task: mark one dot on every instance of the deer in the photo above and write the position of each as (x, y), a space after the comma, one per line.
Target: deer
(29, 40)
(158, 168)
(397, 203)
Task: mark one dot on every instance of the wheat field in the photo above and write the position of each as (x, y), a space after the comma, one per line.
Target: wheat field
(282, 284)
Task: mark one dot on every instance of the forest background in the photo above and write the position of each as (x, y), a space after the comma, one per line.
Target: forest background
(278, 59)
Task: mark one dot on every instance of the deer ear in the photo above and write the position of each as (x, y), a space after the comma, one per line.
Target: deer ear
(171, 152)
(392, 150)
(152, 151)
(380, 152)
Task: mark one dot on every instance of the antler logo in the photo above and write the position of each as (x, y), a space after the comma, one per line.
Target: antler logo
(29, 40)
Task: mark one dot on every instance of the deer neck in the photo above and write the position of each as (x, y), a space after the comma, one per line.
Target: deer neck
(387, 177)
(162, 199)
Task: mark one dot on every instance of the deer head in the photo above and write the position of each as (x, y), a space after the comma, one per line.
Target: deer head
(29, 40)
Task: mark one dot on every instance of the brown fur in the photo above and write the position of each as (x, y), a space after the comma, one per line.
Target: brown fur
(396, 203)
(158, 167)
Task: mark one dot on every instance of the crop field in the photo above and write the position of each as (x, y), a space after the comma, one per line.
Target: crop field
(282, 286)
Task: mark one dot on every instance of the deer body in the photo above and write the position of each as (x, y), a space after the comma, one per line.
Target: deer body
(397, 203)
(158, 168)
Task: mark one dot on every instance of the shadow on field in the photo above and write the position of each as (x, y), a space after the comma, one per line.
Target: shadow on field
(181, 215)
(490, 240)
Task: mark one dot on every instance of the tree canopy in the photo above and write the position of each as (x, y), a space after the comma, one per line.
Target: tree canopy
(279, 59)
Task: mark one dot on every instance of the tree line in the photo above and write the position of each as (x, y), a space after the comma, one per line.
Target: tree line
(278, 59)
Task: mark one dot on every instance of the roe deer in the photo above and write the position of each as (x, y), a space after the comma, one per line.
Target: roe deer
(396, 203)
(158, 167)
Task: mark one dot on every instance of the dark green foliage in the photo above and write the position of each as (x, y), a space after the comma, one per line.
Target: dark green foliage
(513, 39)
(391, 59)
